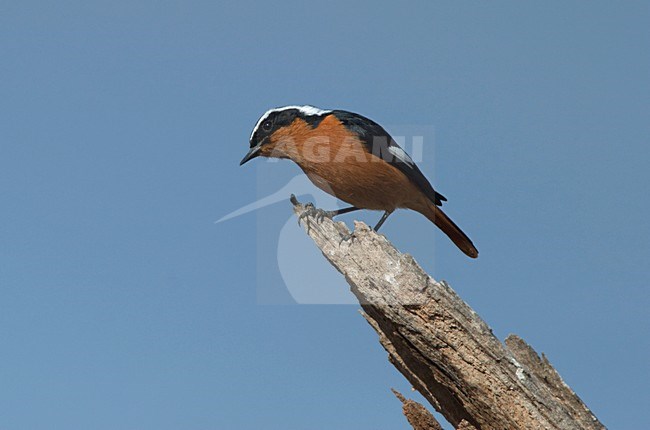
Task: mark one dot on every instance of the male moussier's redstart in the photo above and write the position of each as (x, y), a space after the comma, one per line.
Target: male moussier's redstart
(354, 159)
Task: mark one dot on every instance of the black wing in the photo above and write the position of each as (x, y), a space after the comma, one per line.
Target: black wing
(380, 143)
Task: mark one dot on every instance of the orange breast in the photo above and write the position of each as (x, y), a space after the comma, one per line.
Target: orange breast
(336, 162)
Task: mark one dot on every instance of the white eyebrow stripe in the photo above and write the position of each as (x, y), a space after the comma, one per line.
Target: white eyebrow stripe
(400, 154)
(306, 109)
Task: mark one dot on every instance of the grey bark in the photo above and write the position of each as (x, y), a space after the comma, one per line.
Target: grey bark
(440, 344)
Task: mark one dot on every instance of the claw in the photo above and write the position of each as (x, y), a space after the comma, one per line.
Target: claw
(309, 208)
(321, 214)
(318, 214)
(348, 237)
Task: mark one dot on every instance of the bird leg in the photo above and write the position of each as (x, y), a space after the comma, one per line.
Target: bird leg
(336, 212)
(352, 236)
(382, 220)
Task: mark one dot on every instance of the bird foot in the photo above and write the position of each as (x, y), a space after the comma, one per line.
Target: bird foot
(350, 237)
(316, 213)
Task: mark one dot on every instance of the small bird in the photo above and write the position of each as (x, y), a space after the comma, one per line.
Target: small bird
(354, 159)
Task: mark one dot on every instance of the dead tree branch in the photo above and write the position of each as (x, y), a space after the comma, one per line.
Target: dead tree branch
(417, 415)
(440, 344)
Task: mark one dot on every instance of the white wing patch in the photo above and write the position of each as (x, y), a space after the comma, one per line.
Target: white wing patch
(400, 154)
(306, 109)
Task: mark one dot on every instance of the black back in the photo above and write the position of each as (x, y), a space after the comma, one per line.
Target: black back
(378, 142)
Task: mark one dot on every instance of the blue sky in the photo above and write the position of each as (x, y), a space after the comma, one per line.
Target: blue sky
(123, 305)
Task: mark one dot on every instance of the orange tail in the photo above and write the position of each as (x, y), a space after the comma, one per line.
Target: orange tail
(444, 223)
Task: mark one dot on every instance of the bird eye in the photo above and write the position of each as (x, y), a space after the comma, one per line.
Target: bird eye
(267, 125)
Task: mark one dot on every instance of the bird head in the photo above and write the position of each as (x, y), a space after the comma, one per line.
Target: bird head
(278, 131)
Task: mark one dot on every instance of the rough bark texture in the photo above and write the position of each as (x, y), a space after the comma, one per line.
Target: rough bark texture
(440, 344)
(417, 415)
